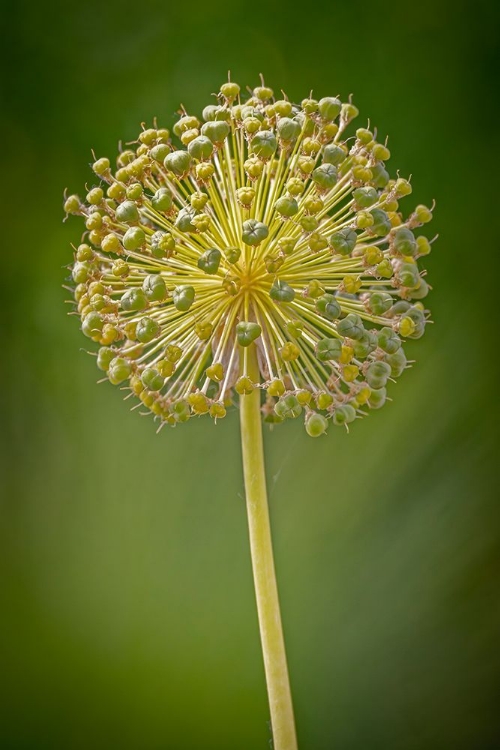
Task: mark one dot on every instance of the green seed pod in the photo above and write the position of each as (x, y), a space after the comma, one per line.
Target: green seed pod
(245, 195)
(134, 238)
(384, 269)
(72, 205)
(247, 332)
(180, 411)
(288, 129)
(377, 398)
(183, 297)
(379, 303)
(404, 241)
(325, 176)
(254, 232)
(198, 200)
(381, 222)
(135, 191)
(95, 196)
(333, 154)
(232, 254)
(134, 300)
(329, 107)
(309, 223)
(263, 144)
(92, 324)
(288, 407)
(380, 152)
(127, 212)
(152, 380)
(101, 167)
(316, 424)
(209, 262)
(397, 362)
(377, 374)
(313, 205)
(344, 414)
(365, 345)
(251, 125)
(344, 241)
(162, 244)
(185, 123)
(160, 152)
(294, 328)
(184, 221)
(178, 162)
(273, 264)
(154, 287)
(423, 214)
(420, 291)
(286, 245)
(230, 90)
(217, 131)
(147, 329)
(201, 148)
(388, 340)
(286, 206)
(402, 187)
(283, 108)
(282, 292)
(120, 268)
(162, 200)
(81, 272)
(328, 349)
(365, 196)
(408, 275)
(351, 327)
(119, 370)
(328, 307)
(317, 242)
(380, 176)
(104, 357)
(349, 112)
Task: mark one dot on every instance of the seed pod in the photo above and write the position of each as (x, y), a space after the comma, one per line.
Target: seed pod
(210, 260)
(247, 332)
(183, 297)
(282, 292)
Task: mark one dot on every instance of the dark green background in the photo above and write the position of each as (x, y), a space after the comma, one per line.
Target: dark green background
(128, 616)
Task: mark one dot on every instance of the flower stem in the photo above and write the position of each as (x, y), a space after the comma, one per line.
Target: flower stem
(266, 590)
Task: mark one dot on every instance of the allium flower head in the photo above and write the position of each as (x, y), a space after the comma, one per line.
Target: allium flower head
(264, 223)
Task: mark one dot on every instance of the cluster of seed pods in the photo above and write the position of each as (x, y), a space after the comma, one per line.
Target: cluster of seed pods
(264, 224)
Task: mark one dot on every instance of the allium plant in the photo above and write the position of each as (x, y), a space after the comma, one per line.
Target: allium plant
(258, 259)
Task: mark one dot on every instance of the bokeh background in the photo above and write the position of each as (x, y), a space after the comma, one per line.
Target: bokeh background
(128, 616)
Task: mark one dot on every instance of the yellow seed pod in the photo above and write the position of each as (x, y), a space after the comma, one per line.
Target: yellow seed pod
(314, 289)
(173, 353)
(406, 326)
(304, 397)
(203, 330)
(364, 220)
(394, 218)
(276, 388)
(215, 372)
(245, 195)
(198, 403)
(363, 395)
(311, 146)
(232, 285)
(350, 373)
(324, 400)
(351, 283)
(244, 386)
(217, 410)
(129, 330)
(289, 352)
(306, 164)
(201, 222)
(110, 334)
(373, 256)
(189, 135)
(346, 355)
(165, 368)
(136, 384)
(205, 171)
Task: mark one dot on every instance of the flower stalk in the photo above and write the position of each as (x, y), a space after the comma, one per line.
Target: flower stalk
(266, 590)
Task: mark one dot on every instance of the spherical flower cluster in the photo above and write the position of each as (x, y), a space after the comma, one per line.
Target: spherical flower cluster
(266, 224)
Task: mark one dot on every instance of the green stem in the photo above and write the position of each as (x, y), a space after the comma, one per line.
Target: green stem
(266, 590)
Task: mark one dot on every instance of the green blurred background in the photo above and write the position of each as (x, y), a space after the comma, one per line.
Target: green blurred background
(128, 616)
